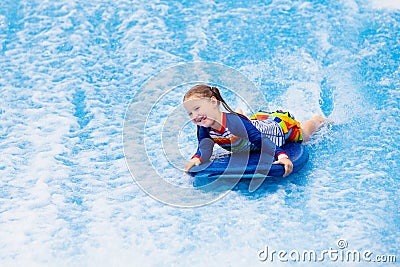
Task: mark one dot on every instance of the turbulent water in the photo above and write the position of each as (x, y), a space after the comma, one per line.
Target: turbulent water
(69, 70)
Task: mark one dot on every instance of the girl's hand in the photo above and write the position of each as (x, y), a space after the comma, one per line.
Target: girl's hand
(191, 163)
(287, 163)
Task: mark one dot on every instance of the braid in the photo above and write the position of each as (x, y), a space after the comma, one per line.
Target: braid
(218, 96)
(203, 90)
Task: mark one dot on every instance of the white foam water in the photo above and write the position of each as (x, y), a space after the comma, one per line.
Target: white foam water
(69, 70)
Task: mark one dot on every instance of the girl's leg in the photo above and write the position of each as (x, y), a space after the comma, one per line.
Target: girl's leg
(309, 127)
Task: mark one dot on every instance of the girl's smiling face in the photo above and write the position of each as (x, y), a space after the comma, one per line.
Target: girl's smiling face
(204, 111)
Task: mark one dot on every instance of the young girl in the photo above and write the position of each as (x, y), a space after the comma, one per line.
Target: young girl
(264, 131)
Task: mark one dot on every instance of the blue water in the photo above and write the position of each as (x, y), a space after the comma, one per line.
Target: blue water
(69, 70)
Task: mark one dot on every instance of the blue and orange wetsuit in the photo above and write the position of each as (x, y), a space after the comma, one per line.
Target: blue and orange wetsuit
(237, 134)
(265, 132)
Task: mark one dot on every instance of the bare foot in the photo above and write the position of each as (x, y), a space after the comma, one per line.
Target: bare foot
(321, 120)
(309, 127)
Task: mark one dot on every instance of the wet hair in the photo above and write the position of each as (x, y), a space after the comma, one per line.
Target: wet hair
(203, 90)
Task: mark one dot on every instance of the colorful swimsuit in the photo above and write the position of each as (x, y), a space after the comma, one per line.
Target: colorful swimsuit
(278, 126)
(237, 134)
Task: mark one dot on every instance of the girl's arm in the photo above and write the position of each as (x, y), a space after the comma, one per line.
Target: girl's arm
(204, 149)
(269, 151)
(241, 127)
(205, 145)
